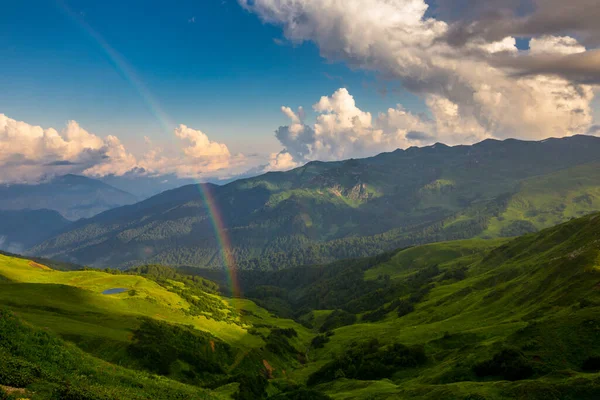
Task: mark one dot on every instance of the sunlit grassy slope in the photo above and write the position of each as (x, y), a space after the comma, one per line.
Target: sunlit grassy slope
(72, 305)
(545, 201)
(37, 290)
(36, 365)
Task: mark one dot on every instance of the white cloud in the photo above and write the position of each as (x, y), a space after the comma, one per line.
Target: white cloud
(555, 45)
(282, 161)
(471, 94)
(342, 130)
(200, 147)
(29, 153)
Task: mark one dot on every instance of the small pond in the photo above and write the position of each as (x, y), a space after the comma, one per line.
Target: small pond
(115, 291)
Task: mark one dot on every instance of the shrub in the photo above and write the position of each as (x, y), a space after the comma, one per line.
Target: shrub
(69, 392)
(251, 387)
(509, 363)
(591, 364)
(405, 308)
(17, 372)
(319, 341)
(369, 361)
(337, 319)
(375, 316)
(158, 345)
(301, 394)
(287, 332)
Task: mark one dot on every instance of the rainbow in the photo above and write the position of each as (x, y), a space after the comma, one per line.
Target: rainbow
(214, 214)
(223, 239)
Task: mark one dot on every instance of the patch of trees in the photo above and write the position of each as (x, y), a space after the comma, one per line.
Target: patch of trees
(319, 341)
(518, 228)
(591, 364)
(278, 343)
(158, 346)
(370, 361)
(300, 393)
(509, 364)
(251, 387)
(403, 307)
(337, 319)
(161, 273)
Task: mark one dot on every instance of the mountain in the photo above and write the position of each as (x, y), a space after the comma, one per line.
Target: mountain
(73, 196)
(325, 211)
(144, 186)
(22, 229)
(469, 319)
(146, 334)
(494, 318)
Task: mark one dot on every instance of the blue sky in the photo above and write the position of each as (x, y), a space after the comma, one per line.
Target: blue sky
(209, 64)
(205, 81)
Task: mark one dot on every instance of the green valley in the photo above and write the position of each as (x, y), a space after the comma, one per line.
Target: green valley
(471, 319)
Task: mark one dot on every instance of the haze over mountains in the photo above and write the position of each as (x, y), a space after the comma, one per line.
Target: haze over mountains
(31, 213)
(325, 211)
(73, 196)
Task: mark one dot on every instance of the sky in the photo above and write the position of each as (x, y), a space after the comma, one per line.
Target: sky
(214, 89)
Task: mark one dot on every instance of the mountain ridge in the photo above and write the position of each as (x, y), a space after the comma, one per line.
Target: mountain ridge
(325, 211)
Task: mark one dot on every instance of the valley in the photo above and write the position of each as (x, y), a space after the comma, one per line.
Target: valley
(477, 319)
(327, 211)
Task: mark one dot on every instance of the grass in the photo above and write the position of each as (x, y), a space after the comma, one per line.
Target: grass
(538, 293)
(71, 305)
(50, 368)
(575, 192)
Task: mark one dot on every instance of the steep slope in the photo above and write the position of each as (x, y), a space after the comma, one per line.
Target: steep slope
(327, 211)
(165, 331)
(470, 319)
(72, 196)
(22, 229)
(480, 320)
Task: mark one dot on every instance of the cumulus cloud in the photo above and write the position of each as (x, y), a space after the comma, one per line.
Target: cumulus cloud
(30, 153)
(483, 88)
(342, 130)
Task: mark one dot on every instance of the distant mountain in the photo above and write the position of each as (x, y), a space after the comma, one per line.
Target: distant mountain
(72, 196)
(143, 186)
(22, 229)
(325, 211)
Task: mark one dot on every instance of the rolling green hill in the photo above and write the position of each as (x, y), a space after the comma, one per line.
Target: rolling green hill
(475, 319)
(470, 319)
(322, 212)
(165, 335)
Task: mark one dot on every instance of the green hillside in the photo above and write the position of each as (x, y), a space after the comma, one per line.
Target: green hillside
(166, 335)
(323, 212)
(471, 319)
(479, 319)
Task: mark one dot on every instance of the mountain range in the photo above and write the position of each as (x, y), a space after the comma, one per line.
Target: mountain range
(22, 229)
(73, 196)
(325, 211)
